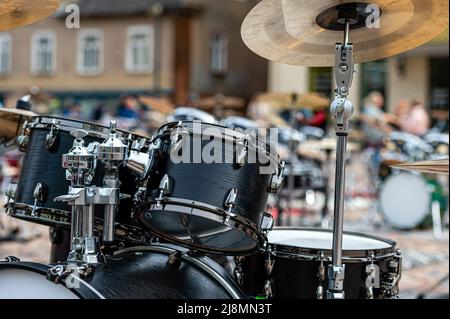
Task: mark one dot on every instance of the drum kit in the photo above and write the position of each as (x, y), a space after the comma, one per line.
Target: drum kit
(148, 216)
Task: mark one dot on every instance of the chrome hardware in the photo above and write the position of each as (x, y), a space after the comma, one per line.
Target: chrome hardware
(174, 259)
(139, 163)
(10, 192)
(238, 275)
(60, 273)
(50, 138)
(267, 222)
(336, 276)
(269, 262)
(242, 154)
(320, 275)
(277, 179)
(112, 149)
(268, 291)
(39, 195)
(23, 138)
(389, 285)
(164, 189)
(371, 272)
(230, 203)
(10, 259)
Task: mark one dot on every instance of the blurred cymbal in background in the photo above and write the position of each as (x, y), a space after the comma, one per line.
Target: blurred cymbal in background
(11, 122)
(313, 101)
(162, 105)
(16, 13)
(220, 101)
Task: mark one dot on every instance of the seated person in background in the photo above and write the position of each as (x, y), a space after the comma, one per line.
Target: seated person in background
(417, 120)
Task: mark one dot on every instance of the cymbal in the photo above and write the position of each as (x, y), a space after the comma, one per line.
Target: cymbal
(326, 144)
(310, 100)
(16, 13)
(439, 166)
(223, 101)
(288, 31)
(11, 121)
(162, 105)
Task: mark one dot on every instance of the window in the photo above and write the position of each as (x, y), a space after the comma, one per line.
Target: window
(321, 81)
(373, 78)
(5, 54)
(43, 53)
(139, 55)
(90, 52)
(219, 53)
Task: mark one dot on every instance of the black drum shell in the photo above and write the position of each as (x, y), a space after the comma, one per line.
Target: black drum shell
(145, 274)
(209, 183)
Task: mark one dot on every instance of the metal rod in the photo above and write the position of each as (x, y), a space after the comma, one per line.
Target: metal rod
(346, 33)
(88, 221)
(108, 223)
(339, 200)
(76, 222)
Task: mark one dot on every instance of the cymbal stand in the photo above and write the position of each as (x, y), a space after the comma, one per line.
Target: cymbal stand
(341, 109)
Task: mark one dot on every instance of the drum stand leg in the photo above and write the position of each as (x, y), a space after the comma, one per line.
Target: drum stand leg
(341, 110)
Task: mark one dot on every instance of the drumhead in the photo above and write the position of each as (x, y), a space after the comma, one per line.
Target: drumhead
(19, 283)
(405, 200)
(312, 240)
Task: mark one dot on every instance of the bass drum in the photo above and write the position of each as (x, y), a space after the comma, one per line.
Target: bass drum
(134, 273)
(406, 200)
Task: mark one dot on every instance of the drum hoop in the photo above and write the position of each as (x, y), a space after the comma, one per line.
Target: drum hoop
(210, 212)
(313, 253)
(236, 134)
(98, 223)
(65, 124)
(199, 262)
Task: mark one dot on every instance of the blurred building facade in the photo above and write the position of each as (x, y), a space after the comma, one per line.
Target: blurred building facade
(420, 73)
(177, 48)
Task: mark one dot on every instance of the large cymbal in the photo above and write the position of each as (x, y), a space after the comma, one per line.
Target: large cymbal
(11, 121)
(434, 166)
(286, 30)
(219, 100)
(16, 13)
(162, 105)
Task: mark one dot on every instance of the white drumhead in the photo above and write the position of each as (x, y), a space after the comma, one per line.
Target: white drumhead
(25, 284)
(405, 200)
(323, 240)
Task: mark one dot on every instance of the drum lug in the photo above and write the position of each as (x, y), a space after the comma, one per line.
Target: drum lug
(238, 273)
(23, 138)
(176, 138)
(10, 259)
(174, 260)
(164, 189)
(268, 289)
(269, 263)
(50, 139)
(39, 195)
(230, 203)
(319, 292)
(10, 192)
(267, 222)
(242, 154)
(277, 179)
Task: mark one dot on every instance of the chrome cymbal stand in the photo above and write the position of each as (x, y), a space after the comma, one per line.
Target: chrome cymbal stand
(341, 109)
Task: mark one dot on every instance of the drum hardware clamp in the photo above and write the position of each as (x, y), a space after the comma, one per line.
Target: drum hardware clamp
(23, 138)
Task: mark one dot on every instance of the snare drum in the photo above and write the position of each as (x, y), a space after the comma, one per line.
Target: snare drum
(295, 261)
(218, 206)
(43, 179)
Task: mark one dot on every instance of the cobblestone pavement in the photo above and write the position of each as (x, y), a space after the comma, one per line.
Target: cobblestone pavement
(425, 259)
